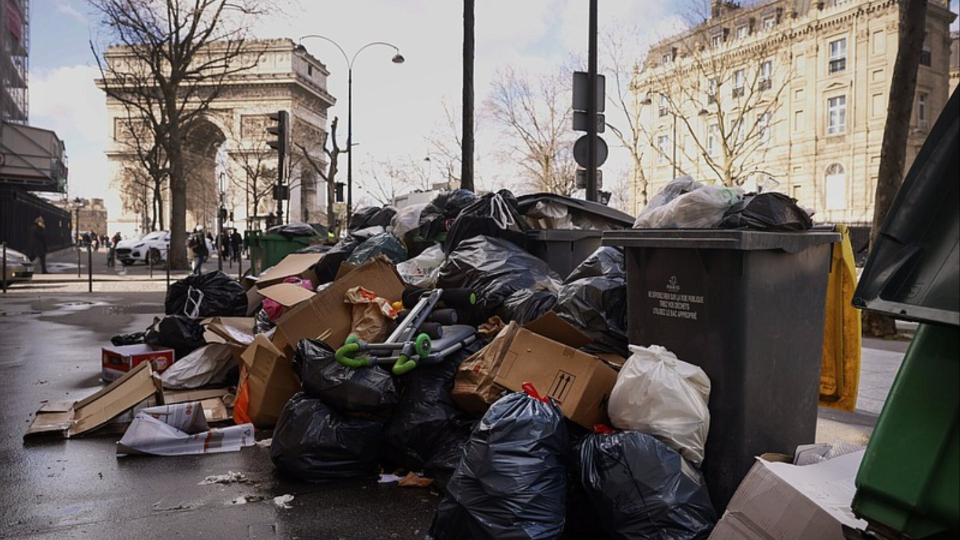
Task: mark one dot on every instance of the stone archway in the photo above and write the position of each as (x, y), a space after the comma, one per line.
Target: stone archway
(200, 162)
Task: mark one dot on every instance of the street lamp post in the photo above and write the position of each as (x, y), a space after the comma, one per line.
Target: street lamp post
(397, 59)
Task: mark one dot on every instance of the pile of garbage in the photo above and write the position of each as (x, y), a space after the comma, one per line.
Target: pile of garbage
(431, 339)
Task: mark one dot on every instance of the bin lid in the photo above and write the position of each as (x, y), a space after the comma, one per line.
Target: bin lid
(525, 202)
(790, 242)
(911, 272)
(563, 235)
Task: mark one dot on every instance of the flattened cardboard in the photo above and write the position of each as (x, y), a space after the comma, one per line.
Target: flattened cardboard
(551, 326)
(254, 298)
(295, 264)
(72, 419)
(326, 310)
(171, 397)
(231, 330)
(270, 380)
(287, 294)
(781, 501)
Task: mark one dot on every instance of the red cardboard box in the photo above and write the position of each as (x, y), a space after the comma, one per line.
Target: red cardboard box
(118, 361)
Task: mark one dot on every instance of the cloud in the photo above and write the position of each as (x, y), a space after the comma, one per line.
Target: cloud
(67, 8)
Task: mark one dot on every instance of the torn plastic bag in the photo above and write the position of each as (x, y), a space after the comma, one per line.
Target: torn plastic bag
(594, 299)
(421, 424)
(526, 305)
(342, 388)
(371, 217)
(384, 244)
(674, 188)
(182, 334)
(206, 295)
(494, 215)
(406, 220)
(423, 270)
(699, 209)
(661, 395)
(642, 489)
(127, 339)
(770, 211)
(314, 443)
(511, 481)
(438, 215)
(294, 230)
(209, 364)
(494, 269)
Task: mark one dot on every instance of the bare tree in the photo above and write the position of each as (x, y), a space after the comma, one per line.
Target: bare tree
(893, 149)
(169, 62)
(390, 178)
(144, 165)
(535, 117)
(736, 94)
(332, 150)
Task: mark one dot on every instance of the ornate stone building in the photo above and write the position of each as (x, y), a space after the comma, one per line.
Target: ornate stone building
(228, 151)
(795, 90)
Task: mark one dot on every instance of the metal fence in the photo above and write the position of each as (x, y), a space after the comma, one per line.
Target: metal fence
(19, 209)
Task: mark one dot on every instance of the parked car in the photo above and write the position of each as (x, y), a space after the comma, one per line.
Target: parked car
(19, 267)
(142, 248)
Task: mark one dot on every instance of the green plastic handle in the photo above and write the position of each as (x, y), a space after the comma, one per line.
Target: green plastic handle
(404, 364)
(345, 356)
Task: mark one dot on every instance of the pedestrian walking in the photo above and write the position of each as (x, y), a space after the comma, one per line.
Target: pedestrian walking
(112, 254)
(236, 243)
(198, 246)
(39, 244)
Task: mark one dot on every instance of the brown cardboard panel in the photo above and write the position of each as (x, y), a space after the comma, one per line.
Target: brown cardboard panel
(550, 325)
(295, 264)
(287, 294)
(253, 299)
(98, 409)
(171, 397)
(214, 410)
(326, 310)
(270, 379)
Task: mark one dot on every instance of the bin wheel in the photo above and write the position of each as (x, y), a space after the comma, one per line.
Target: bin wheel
(422, 346)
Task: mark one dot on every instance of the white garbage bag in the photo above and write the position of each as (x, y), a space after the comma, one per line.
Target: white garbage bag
(423, 270)
(701, 208)
(658, 394)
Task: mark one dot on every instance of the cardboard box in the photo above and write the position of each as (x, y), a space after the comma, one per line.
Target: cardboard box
(294, 265)
(287, 294)
(270, 380)
(117, 361)
(544, 352)
(781, 501)
(69, 419)
(326, 310)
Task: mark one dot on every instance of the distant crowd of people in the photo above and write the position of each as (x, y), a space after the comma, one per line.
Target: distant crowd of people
(229, 243)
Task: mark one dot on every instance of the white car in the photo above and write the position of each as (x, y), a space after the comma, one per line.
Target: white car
(19, 267)
(138, 249)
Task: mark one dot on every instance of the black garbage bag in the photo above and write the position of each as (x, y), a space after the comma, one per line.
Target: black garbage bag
(384, 244)
(511, 482)
(371, 216)
(597, 302)
(315, 248)
(437, 217)
(494, 269)
(127, 339)
(342, 388)
(294, 230)
(641, 488)
(327, 267)
(769, 211)
(425, 425)
(314, 443)
(494, 215)
(526, 305)
(178, 332)
(206, 295)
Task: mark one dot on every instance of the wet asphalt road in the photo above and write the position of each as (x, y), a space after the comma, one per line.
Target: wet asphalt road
(79, 488)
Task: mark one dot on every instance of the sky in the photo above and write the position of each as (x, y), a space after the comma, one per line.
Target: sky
(395, 107)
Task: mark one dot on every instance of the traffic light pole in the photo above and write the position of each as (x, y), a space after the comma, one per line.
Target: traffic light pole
(282, 118)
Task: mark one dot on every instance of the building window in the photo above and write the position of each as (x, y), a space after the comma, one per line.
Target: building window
(836, 115)
(664, 108)
(797, 120)
(309, 70)
(838, 55)
(743, 31)
(879, 41)
(769, 22)
(763, 128)
(712, 91)
(739, 78)
(663, 145)
(666, 58)
(712, 146)
(923, 100)
(836, 188)
(796, 191)
(766, 75)
(717, 37)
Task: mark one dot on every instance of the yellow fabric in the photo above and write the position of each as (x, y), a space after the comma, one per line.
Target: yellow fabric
(840, 375)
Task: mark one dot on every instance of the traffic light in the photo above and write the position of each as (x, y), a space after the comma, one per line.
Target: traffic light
(339, 192)
(279, 131)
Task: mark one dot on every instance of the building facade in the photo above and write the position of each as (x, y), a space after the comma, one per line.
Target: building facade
(228, 152)
(789, 91)
(14, 60)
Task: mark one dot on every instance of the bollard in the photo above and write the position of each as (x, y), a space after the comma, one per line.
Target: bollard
(78, 262)
(4, 267)
(168, 268)
(89, 269)
(150, 261)
(240, 266)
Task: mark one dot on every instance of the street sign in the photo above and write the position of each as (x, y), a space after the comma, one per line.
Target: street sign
(580, 121)
(580, 102)
(580, 151)
(582, 179)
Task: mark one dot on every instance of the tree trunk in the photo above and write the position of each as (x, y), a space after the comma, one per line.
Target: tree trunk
(177, 253)
(893, 149)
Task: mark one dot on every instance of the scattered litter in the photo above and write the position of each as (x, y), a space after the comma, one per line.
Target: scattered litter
(244, 499)
(230, 478)
(283, 501)
(413, 479)
(264, 443)
(181, 429)
(389, 479)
